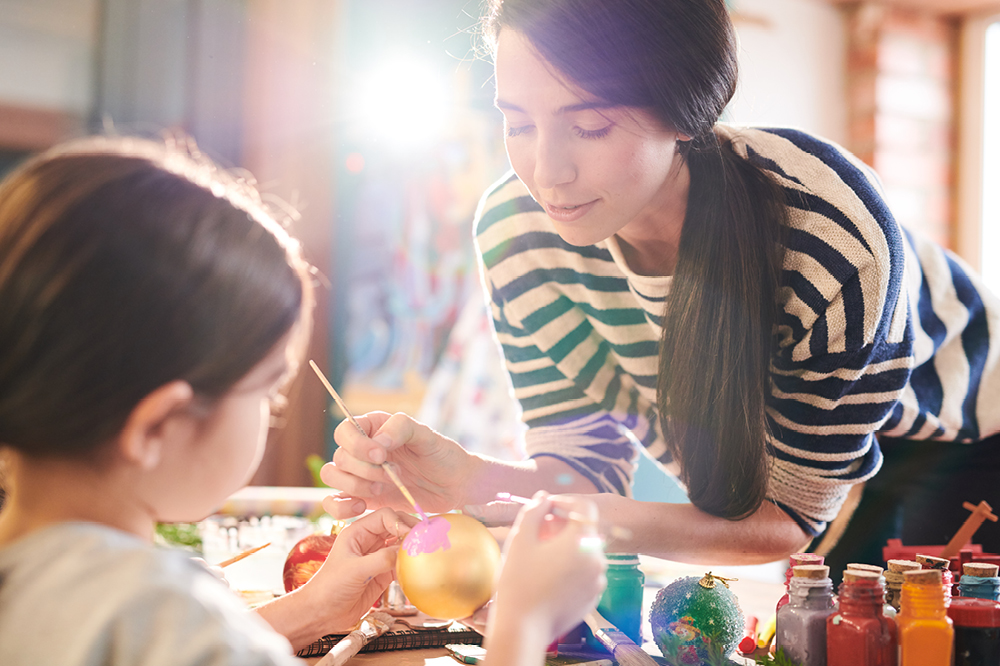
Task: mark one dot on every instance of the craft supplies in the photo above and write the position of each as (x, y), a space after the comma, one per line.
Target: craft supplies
(621, 602)
(801, 623)
(794, 560)
(446, 566)
(374, 624)
(979, 580)
(696, 620)
(887, 609)
(749, 643)
(390, 472)
(942, 565)
(980, 512)
(977, 631)
(894, 580)
(243, 555)
(926, 634)
(859, 633)
(621, 647)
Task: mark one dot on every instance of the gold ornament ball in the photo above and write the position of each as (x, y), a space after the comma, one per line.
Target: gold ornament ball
(447, 565)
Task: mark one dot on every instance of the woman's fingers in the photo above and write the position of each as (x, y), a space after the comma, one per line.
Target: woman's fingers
(343, 507)
(341, 478)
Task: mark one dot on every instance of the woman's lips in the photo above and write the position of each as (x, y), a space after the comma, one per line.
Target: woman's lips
(569, 213)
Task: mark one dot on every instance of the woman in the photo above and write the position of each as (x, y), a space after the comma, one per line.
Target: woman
(739, 302)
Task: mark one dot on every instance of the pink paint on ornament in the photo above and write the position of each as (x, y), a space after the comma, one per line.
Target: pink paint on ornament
(428, 536)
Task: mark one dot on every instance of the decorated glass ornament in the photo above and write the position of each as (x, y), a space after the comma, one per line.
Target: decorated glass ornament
(447, 565)
(305, 558)
(697, 621)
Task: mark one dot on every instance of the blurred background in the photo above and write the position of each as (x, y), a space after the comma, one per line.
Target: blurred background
(373, 118)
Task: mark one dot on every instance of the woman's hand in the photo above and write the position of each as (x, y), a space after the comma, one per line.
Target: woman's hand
(432, 467)
(356, 572)
(553, 570)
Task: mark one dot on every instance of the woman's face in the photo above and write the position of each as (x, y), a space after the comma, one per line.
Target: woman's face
(595, 169)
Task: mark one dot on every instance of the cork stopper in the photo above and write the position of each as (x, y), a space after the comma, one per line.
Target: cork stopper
(929, 562)
(923, 577)
(900, 566)
(980, 569)
(864, 567)
(813, 571)
(798, 559)
(856, 575)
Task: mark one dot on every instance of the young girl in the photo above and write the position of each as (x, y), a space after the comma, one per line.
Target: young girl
(739, 302)
(153, 309)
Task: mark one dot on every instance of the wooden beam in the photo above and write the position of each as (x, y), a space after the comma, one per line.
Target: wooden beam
(33, 129)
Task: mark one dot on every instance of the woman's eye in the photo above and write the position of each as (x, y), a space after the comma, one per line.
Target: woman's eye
(593, 134)
(516, 131)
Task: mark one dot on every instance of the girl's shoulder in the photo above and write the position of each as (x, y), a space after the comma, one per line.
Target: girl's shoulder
(73, 589)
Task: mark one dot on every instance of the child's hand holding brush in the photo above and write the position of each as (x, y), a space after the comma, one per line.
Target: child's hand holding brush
(552, 575)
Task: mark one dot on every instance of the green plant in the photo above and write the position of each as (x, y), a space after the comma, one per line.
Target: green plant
(182, 535)
(779, 658)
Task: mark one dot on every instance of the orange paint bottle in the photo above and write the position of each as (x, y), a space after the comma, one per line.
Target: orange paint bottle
(926, 634)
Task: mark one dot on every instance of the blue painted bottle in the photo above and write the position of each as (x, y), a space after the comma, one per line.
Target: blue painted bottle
(980, 581)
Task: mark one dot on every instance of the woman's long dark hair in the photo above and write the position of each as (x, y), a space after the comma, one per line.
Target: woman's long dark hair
(677, 60)
(126, 264)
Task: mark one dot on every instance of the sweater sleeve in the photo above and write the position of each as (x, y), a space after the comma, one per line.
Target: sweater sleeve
(845, 342)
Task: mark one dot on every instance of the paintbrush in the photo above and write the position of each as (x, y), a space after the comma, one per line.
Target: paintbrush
(621, 647)
(245, 553)
(614, 531)
(390, 472)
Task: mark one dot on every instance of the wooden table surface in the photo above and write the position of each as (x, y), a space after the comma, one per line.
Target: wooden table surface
(757, 593)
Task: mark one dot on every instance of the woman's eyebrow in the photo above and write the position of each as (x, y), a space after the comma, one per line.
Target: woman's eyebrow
(569, 108)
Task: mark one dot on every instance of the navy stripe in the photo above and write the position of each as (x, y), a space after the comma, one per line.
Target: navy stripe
(975, 343)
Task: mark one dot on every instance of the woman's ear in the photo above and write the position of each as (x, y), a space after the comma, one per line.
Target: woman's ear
(148, 427)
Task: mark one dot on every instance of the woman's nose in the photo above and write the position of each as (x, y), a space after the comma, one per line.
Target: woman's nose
(554, 164)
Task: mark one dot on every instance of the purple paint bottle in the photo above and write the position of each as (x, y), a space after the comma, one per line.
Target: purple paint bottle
(801, 623)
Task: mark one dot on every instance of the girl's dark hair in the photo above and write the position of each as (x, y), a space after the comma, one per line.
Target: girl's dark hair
(126, 264)
(677, 60)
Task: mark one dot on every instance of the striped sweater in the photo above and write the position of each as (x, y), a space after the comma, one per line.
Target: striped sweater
(880, 331)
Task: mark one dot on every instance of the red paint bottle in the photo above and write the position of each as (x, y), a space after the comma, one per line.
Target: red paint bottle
(859, 633)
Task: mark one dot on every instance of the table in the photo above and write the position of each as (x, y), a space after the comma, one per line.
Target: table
(757, 594)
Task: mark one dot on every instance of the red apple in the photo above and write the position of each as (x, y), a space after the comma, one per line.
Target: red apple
(305, 558)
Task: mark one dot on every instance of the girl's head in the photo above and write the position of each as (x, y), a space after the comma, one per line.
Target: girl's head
(675, 59)
(127, 265)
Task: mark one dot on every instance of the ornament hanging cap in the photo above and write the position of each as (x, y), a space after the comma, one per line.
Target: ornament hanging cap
(708, 581)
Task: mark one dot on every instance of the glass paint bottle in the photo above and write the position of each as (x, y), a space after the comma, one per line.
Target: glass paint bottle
(859, 633)
(980, 580)
(621, 602)
(801, 623)
(926, 633)
(977, 631)
(887, 609)
(942, 565)
(894, 580)
(795, 560)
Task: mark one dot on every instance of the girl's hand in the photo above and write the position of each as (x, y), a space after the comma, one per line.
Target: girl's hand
(356, 572)
(432, 467)
(553, 568)
(359, 567)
